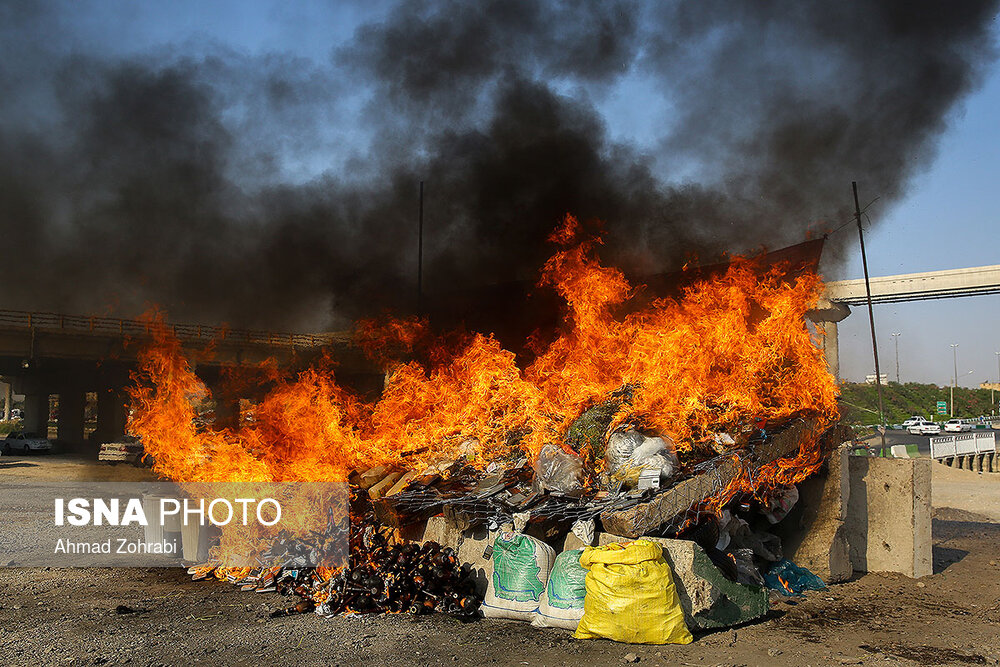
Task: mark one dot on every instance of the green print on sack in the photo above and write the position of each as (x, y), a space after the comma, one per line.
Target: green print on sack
(515, 570)
(567, 582)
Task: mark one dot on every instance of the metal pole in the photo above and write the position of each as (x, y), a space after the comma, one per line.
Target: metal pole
(871, 315)
(895, 338)
(954, 358)
(994, 406)
(420, 252)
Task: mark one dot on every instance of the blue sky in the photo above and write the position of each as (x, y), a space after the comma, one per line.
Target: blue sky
(948, 218)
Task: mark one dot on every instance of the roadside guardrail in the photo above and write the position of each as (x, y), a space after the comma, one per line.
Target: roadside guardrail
(963, 444)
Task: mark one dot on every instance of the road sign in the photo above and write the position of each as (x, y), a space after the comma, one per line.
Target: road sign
(942, 407)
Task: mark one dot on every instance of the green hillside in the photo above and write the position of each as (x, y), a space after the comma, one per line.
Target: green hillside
(859, 402)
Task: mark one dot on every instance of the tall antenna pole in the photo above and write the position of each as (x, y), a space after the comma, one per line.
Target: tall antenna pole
(871, 315)
(420, 253)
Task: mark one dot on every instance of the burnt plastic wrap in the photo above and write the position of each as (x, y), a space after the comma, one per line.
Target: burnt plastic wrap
(558, 470)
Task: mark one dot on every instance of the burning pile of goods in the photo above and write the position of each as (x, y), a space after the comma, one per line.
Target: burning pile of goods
(384, 576)
(692, 417)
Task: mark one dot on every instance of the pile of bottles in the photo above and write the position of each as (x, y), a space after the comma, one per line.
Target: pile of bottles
(400, 578)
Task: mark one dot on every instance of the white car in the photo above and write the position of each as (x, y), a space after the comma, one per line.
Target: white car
(956, 426)
(129, 450)
(930, 428)
(924, 428)
(25, 442)
(915, 419)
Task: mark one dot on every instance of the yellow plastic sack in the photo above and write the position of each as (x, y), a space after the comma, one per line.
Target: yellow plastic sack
(631, 596)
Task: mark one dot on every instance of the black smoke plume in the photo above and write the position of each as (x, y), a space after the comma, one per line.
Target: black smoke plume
(272, 190)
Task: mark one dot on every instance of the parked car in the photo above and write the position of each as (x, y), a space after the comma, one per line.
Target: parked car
(956, 426)
(128, 450)
(915, 419)
(25, 442)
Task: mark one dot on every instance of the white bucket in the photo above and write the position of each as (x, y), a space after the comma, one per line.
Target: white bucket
(194, 540)
(168, 533)
(151, 508)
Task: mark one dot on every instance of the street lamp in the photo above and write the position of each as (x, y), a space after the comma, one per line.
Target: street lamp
(953, 391)
(992, 400)
(895, 338)
(954, 359)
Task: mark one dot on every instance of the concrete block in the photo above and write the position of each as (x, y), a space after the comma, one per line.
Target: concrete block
(472, 550)
(573, 542)
(889, 515)
(709, 599)
(441, 531)
(470, 545)
(412, 532)
(814, 534)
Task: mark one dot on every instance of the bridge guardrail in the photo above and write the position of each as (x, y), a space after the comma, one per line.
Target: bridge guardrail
(139, 328)
(965, 444)
(943, 447)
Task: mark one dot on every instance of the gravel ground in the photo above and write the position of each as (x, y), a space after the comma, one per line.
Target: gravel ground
(161, 617)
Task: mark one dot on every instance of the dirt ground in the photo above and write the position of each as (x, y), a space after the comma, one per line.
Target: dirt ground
(161, 617)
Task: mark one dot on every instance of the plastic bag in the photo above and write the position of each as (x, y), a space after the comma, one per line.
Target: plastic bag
(558, 470)
(629, 454)
(631, 596)
(519, 572)
(763, 545)
(725, 518)
(789, 579)
(561, 604)
(746, 571)
(620, 446)
(781, 504)
(584, 529)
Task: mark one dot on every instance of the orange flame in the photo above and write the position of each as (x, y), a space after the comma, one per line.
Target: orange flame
(730, 350)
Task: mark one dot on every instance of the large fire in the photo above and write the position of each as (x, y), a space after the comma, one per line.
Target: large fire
(732, 351)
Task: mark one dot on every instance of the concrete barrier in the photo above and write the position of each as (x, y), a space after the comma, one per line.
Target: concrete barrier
(814, 534)
(889, 515)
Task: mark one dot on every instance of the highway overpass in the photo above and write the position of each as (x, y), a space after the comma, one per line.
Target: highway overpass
(840, 295)
(46, 353)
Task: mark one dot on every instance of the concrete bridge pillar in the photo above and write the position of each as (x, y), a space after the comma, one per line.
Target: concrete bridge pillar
(826, 315)
(72, 403)
(7, 397)
(831, 348)
(111, 416)
(36, 413)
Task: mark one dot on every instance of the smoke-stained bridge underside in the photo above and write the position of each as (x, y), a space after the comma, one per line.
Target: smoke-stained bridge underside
(43, 354)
